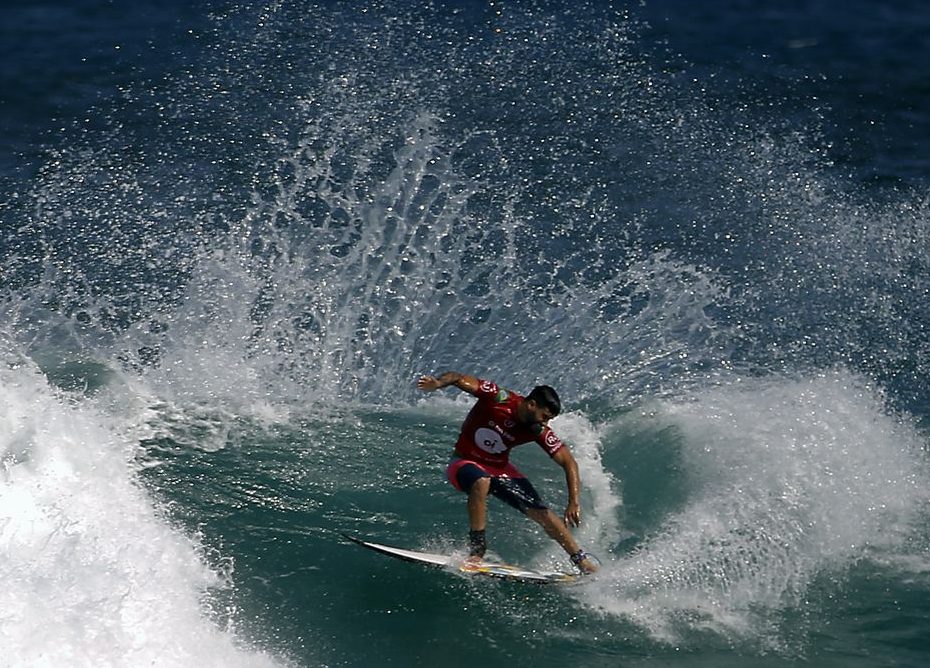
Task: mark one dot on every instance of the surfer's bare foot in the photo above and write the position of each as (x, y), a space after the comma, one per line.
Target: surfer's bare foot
(471, 564)
(588, 566)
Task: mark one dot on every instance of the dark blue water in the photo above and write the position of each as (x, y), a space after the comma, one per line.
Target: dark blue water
(234, 235)
(853, 71)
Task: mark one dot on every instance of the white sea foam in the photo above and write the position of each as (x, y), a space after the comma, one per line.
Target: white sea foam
(788, 480)
(601, 516)
(92, 575)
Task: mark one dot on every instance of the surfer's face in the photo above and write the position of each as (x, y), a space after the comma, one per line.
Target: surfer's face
(533, 413)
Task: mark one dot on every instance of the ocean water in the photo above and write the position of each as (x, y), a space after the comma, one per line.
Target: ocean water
(233, 235)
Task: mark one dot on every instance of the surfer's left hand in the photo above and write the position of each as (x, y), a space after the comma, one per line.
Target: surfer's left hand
(573, 515)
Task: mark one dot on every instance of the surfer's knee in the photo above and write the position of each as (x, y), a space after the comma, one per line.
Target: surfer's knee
(480, 488)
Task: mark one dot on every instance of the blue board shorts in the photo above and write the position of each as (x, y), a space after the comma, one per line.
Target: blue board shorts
(510, 486)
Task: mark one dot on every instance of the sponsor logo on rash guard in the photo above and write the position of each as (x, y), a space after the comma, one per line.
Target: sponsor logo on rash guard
(489, 441)
(552, 442)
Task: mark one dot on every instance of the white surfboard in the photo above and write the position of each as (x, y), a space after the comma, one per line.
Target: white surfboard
(487, 568)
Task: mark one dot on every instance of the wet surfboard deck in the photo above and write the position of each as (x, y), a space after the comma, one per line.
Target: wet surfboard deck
(491, 569)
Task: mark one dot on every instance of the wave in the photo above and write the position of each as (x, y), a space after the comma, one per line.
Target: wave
(775, 485)
(93, 573)
(549, 204)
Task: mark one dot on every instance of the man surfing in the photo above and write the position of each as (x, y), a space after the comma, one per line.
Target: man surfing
(480, 465)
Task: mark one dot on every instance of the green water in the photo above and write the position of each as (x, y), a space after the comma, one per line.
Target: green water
(273, 501)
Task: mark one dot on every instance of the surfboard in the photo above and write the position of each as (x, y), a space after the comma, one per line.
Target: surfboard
(491, 569)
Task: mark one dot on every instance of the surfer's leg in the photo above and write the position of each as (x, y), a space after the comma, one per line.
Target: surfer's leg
(470, 478)
(478, 504)
(477, 516)
(474, 481)
(555, 528)
(519, 493)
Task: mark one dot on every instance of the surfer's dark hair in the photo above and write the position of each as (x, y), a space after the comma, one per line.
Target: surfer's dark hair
(546, 396)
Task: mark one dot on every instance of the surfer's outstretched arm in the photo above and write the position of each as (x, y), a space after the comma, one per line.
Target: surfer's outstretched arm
(462, 381)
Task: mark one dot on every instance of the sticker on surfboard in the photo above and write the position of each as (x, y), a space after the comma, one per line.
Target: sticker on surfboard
(486, 568)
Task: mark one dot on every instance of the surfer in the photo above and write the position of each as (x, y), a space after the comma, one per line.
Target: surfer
(480, 465)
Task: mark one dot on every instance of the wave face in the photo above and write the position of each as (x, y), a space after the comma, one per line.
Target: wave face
(216, 300)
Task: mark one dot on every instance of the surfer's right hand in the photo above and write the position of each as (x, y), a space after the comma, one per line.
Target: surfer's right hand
(428, 383)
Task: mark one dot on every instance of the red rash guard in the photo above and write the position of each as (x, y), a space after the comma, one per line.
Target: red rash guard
(491, 429)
